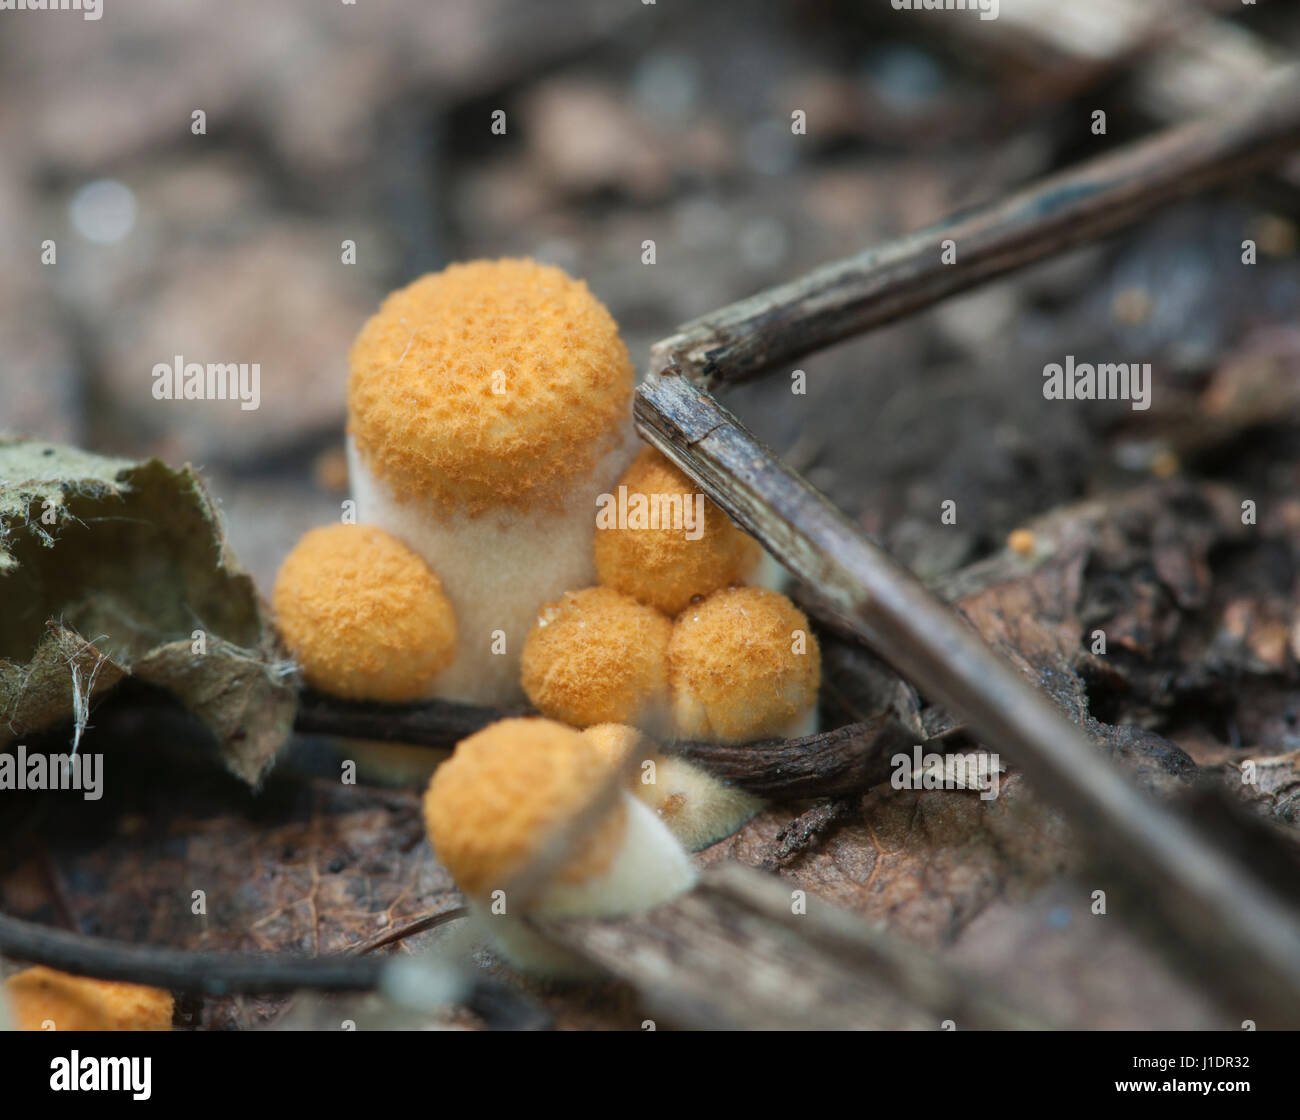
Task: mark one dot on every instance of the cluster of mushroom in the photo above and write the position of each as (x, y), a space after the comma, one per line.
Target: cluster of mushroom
(670, 643)
(510, 541)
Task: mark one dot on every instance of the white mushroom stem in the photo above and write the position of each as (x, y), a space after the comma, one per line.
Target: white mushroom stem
(650, 868)
(497, 568)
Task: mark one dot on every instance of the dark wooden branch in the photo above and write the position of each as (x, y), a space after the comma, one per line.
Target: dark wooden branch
(734, 954)
(884, 283)
(850, 759)
(847, 760)
(223, 974)
(438, 723)
(179, 970)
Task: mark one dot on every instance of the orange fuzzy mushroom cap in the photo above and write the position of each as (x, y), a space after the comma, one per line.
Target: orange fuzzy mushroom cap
(662, 566)
(363, 614)
(506, 792)
(597, 656)
(489, 384)
(78, 1003)
(734, 667)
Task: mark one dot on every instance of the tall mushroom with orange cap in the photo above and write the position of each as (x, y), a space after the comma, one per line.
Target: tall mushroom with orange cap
(489, 405)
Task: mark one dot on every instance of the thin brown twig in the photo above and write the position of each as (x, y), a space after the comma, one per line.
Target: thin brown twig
(845, 760)
(410, 929)
(181, 970)
(436, 723)
(884, 283)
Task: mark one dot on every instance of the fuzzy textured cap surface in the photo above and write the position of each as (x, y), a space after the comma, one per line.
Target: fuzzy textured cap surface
(597, 656)
(363, 614)
(490, 384)
(661, 566)
(506, 791)
(733, 668)
(79, 1003)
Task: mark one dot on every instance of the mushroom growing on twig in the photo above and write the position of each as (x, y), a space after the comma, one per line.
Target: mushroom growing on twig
(496, 811)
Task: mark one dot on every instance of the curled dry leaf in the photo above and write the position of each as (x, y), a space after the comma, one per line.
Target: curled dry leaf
(110, 569)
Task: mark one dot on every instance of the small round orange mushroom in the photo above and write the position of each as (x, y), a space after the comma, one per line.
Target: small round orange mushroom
(41, 998)
(697, 808)
(743, 665)
(597, 656)
(1022, 542)
(501, 807)
(363, 615)
(676, 545)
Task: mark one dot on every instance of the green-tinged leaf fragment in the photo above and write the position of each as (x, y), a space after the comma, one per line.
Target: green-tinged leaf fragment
(110, 568)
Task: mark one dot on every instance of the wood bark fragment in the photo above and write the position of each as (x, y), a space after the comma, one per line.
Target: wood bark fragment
(847, 760)
(807, 830)
(735, 953)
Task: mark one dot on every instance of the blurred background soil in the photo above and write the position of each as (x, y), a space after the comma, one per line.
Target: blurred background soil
(626, 122)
